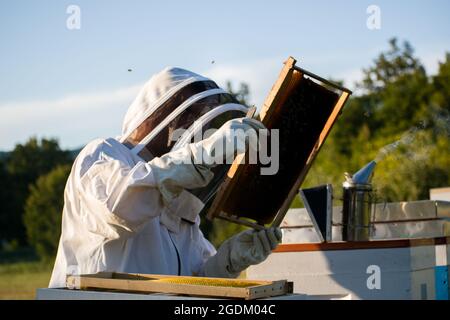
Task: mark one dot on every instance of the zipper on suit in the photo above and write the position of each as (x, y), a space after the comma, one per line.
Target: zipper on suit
(178, 254)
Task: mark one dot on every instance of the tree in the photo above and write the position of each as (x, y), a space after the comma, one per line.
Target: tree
(43, 211)
(23, 166)
(389, 66)
(395, 97)
(242, 95)
(7, 226)
(440, 98)
(399, 103)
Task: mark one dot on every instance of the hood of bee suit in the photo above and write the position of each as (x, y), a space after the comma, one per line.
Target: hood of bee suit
(155, 92)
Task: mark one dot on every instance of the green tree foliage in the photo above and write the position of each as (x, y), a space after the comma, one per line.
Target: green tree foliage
(6, 195)
(242, 94)
(43, 211)
(399, 103)
(440, 98)
(390, 66)
(21, 168)
(409, 172)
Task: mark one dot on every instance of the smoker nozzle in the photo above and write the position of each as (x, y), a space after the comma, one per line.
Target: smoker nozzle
(363, 176)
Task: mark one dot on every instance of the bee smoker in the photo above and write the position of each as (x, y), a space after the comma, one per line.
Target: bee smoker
(358, 199)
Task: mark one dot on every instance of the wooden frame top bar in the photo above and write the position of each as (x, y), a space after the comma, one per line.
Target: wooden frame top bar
(323, 80)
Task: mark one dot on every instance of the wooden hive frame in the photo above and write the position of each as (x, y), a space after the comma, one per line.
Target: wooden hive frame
(288, 79)
(183, 285)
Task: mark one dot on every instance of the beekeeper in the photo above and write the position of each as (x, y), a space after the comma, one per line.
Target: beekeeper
(132, 204)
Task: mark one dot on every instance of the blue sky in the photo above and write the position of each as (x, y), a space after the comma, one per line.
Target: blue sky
(74, 84)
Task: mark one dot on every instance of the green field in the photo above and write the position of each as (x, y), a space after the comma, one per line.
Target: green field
(21, 273)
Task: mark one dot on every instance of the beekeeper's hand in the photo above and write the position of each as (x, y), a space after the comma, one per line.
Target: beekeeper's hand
(247, 248)
(189, 167)
(175, 171)
(234, 137)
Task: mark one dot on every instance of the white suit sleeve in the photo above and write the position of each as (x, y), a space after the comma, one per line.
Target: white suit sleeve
(126, 197)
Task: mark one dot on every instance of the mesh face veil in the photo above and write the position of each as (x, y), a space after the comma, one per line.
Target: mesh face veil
(164, 110)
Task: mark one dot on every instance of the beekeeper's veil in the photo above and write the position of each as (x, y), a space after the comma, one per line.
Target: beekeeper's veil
(171, 100)
(174, 99)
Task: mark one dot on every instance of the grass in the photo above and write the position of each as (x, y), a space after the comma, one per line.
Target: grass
(21, 273)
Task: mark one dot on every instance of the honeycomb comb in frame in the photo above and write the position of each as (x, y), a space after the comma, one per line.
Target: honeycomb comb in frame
(303, 107)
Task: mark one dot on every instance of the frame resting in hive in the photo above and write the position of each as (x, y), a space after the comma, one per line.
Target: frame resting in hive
(169, 284)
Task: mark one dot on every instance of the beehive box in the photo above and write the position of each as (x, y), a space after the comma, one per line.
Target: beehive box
(377, 269)
(303, 107)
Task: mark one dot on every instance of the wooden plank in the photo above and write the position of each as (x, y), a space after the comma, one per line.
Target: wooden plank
(378, 244)
(278, 88)
(329, 246)
(332, 120)
(161, 284)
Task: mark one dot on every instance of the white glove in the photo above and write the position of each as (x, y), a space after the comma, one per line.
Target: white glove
(189, 167)
(234, 137)
(247, 248)
(175, 172)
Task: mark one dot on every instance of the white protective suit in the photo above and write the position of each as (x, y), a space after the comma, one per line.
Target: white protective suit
(118, 217)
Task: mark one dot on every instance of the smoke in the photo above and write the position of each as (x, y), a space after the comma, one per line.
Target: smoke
(418, 149)
(406, 140)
